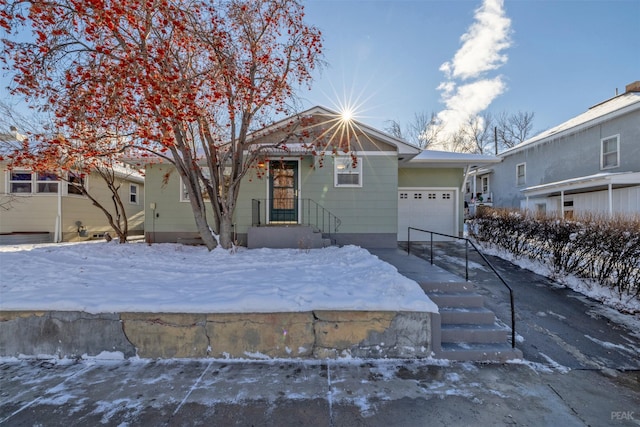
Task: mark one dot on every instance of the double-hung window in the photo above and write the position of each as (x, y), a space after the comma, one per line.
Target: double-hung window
(133, 194)
(610, 152)
(521, 174)
(46, 182)
(23, 181)
(75, 182)
(347, 171)
(20, 181)
(485, 184)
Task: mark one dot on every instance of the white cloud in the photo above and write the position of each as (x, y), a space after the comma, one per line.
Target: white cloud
(484, 42)
(482, 50)
(468, 100)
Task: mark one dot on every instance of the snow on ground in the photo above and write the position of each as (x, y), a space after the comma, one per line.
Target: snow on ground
(100, 277)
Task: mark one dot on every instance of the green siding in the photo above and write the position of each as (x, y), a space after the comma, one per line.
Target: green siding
(366, 209)
(163, 189)
(371, 208)
(433, 177)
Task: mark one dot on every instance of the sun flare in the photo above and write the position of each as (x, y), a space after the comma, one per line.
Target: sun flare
(346, 115)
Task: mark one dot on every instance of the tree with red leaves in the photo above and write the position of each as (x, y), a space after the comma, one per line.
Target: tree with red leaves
(185, 82)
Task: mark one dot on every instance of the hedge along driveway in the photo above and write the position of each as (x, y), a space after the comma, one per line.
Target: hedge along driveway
(606, 251)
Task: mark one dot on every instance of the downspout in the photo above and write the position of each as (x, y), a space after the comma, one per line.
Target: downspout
(58, 233)
(464, 181)
(475, 182)
(610, 191)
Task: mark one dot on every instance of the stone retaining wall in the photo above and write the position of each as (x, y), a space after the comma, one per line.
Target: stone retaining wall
(317, 334)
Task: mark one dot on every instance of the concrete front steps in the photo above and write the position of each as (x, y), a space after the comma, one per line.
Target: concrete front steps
(468, 330)
(293, 236)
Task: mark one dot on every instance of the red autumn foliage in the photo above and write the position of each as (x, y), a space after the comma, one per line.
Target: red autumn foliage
(184, 81)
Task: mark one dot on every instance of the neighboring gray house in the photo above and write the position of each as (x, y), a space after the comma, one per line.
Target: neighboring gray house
(588, 164)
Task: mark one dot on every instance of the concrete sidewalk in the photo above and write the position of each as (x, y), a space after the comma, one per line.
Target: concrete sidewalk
(344, 392)
(330, 393)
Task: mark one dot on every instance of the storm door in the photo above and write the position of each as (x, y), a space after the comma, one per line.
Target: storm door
(283, 191)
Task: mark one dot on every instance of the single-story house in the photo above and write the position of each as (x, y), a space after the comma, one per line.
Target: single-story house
(587, 164)
(37, 207)
(369, 202)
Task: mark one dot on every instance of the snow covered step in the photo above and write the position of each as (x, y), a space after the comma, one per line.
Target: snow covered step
(291, 236)
(429, 287)
(479, 352)
(466, 315)
(474, 333)
(457, 299)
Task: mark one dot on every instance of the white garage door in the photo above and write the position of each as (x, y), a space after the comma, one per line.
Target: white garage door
(427, 209)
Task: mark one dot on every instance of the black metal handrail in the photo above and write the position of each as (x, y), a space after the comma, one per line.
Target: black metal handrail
(466, 247)
(311, 214)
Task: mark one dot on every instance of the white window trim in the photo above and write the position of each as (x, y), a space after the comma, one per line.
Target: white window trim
(524, 175)
(602, 153)
(9, 181)
(136, 193)
(33, 182)
(351, 171)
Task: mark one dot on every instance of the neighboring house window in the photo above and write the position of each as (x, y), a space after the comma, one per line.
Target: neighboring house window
(610, 157)
(75, 182)
(184, 194)
(345, 174)
(20, 182)
(521, 174)
(46, 182)
(133, 194)
(485, 184)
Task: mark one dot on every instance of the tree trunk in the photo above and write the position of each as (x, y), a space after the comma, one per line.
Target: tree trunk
(226, 232)
(204, 230)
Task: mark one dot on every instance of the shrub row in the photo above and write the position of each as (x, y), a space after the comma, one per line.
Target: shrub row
(606, 250)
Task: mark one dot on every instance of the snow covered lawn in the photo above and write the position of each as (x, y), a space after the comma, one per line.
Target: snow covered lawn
(100, 277)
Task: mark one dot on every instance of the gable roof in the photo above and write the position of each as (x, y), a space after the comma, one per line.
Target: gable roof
(605, 111)
(403, 147)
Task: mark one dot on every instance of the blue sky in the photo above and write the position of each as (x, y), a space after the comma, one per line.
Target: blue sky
(386, 56)
(558, 57)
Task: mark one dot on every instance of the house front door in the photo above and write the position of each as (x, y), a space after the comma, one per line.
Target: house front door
(283, 191)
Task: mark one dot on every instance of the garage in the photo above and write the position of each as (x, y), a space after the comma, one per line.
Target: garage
(432, 209)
